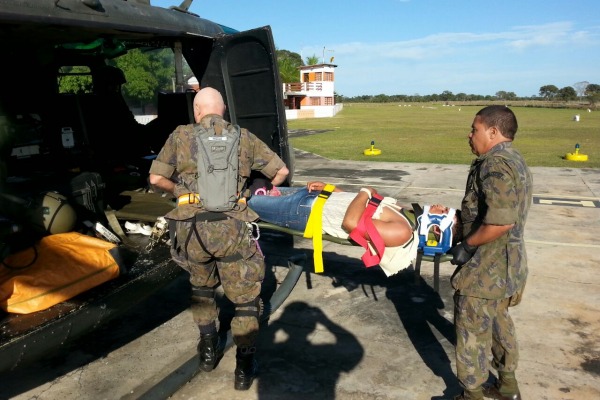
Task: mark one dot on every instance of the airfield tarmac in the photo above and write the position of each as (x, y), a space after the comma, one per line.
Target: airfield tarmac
(352, 332)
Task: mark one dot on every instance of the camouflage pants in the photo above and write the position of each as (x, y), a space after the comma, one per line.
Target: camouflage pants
(223, 253)
(484, 331)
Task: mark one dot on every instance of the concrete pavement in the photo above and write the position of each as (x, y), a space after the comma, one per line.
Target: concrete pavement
(351, 332)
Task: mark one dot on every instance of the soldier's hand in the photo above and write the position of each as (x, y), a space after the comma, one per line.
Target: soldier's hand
(461, 253)
(315, 186)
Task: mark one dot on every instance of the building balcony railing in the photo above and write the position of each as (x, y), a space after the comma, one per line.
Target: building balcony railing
(302, 86)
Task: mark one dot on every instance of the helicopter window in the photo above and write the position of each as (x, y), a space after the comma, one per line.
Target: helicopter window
(74, 79)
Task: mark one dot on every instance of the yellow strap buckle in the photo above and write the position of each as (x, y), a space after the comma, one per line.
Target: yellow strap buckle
(188, 198)
(314, 226)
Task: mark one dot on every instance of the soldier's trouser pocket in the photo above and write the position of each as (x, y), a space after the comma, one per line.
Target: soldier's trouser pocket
(516, 298)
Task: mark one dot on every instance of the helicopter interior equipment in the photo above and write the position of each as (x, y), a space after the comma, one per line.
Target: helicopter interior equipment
(63, 132)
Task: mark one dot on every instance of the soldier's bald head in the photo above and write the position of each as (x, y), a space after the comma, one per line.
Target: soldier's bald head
(208, 101)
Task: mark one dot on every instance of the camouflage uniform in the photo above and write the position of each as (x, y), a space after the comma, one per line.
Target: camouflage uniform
(219, 251)
(498, 192)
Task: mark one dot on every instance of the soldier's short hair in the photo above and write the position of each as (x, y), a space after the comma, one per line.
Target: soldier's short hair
(500, 117)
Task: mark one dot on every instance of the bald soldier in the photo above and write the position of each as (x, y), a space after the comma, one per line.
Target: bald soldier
(217, 247)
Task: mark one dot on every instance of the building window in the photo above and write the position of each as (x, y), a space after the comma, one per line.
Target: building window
(305, 77)
(318, 76)
(328, 101)
(328, 77)
(315, 101)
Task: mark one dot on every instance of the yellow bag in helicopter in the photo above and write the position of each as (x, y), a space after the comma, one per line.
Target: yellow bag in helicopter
(55, 269)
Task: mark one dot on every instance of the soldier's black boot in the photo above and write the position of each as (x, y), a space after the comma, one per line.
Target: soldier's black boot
(504, 388)
(476, 394)
(246, 368)
(209, 351)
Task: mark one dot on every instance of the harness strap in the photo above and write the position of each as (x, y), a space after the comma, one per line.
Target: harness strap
(365, 225)
(210, 216)
(227, 259)
(193, 231)
(249, 309)
(410, 217)
(314, 226)
(417, 209)
(203, 291)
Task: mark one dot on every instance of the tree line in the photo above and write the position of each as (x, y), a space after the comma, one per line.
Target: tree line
(582, 91)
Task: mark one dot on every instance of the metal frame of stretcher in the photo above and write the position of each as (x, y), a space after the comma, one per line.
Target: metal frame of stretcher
(436, 259)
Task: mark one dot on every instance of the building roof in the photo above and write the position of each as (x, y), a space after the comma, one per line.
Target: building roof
(317, 66)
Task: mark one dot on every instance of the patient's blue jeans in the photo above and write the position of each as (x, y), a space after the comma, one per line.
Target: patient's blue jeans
(290, 210)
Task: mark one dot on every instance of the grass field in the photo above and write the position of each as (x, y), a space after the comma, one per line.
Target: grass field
(437, 134)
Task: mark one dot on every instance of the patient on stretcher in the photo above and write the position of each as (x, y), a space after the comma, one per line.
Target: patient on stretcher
(341, 215)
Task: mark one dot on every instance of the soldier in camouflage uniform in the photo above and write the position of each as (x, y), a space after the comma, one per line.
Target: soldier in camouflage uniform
(217, 248)
(492, 263)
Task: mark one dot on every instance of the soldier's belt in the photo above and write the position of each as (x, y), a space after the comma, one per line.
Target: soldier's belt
(188, 198)
(194, 198)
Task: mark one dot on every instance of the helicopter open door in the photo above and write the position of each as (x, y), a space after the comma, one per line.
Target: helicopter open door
(243, 67)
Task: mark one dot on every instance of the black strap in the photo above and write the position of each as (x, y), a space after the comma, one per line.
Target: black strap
(228, 259)
(231, 258)
(210, 216)
(411, 217)
(324, 194)
(418, 210)
(203, 291)
(254, 309)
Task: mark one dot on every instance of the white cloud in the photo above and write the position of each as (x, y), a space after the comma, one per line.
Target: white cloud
(520, 59)
(443, 44)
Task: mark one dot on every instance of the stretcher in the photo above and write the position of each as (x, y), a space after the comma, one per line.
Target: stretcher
(437, 259)
(136, 209)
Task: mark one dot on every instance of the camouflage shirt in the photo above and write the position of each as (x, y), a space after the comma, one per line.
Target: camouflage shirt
(498, 192)
(178, 162)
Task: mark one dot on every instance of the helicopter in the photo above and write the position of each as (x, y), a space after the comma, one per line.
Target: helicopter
(63, 145)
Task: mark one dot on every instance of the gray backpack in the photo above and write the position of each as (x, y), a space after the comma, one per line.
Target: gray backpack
(218, 167)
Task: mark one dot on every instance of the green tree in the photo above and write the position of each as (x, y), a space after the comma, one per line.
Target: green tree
(592, 92)
(504, 95)
(141, 82)
(288, 63)
(76, 79)
(147, 73)
(446, 95)
(548, 91)
(567, 93)
(312, 60)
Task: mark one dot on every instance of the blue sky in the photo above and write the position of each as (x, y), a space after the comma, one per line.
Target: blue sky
(429, 46)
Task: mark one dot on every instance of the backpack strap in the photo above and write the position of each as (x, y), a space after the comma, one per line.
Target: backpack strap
(314, 226)
(365, 225)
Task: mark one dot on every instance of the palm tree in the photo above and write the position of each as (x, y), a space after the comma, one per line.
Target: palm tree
(312, 60)
(288, 63)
